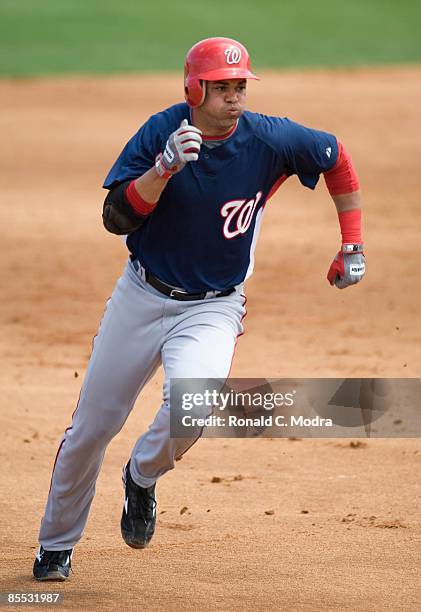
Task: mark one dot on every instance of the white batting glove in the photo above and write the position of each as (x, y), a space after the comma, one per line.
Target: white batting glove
(348, 267)
(182, 146)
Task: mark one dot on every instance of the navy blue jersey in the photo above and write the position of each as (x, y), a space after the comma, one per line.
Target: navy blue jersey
(202, 233)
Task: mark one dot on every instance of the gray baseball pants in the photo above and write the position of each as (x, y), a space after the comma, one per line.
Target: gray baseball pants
(140, 329)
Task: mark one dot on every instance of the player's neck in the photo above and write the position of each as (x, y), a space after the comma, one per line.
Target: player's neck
(211, 130)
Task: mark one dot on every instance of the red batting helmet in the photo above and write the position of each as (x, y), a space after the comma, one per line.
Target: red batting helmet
(213, 59)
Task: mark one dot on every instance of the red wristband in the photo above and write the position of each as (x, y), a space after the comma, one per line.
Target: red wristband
(138, 204)
(350, 222)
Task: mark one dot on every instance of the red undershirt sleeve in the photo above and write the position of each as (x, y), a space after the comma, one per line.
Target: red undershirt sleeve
(342, 178)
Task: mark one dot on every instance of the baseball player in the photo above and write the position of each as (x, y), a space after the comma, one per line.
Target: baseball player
(189, 190)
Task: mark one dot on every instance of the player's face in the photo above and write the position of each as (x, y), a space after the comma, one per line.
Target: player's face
(224, 104)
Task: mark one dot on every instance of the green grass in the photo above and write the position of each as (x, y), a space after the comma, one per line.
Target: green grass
(103, 36)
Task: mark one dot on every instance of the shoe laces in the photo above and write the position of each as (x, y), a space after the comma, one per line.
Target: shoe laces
(144, 499)
(146, 504)
(55, 556)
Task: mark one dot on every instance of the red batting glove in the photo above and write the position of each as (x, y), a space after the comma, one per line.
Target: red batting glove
(336, 268)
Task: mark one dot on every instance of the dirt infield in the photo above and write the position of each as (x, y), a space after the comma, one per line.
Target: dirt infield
(345, 531)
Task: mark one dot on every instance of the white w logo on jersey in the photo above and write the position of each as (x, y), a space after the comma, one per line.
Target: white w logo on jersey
(239, 214)
(233, 55)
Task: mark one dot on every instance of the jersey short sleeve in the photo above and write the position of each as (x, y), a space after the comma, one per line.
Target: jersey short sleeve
(139, 154)
(304, 151)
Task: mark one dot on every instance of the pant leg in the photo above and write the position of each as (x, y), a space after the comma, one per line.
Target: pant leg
(126, 353)
(199, 345)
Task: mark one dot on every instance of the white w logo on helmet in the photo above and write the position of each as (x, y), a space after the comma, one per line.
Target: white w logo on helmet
(233, 55)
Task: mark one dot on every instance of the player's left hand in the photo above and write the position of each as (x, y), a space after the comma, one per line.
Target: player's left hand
(348, 267)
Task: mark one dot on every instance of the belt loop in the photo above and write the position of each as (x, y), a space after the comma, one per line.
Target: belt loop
(140, 270)
(142, 273)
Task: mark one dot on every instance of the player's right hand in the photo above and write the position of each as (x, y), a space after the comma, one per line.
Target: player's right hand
(182, 146)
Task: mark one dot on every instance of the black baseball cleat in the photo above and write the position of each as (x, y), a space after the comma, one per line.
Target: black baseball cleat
(139, 513)
(53, 564)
